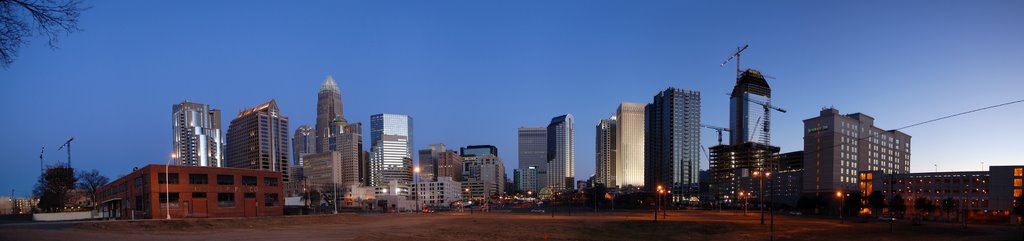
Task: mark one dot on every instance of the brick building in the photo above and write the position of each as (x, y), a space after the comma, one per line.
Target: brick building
(192, 192)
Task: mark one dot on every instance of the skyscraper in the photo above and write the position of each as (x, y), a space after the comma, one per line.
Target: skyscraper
(391, 147)
(304, 142)
(672, 141)
(629, 144)
(533, 149)
(604, 173)
(258, 139)
(748, 120)
(197, 135)
(328, 107)
(561, 153)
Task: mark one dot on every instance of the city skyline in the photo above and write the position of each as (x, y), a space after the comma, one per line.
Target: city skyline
(836, 62)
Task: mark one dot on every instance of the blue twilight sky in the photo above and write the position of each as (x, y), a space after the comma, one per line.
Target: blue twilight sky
(471, 72)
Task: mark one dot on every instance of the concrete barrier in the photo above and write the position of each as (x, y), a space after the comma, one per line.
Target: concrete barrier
(65, 216)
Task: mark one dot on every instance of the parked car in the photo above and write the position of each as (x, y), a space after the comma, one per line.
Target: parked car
(886, 218)
(796, 213)
(427, 210)
(537, 210)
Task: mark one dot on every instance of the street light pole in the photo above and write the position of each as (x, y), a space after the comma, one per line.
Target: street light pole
(760, 192)
(842, 199)
(416, 187)
(167, 187)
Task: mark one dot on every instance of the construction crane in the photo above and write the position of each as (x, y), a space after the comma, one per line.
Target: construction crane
(41, 168)
(717, 129)
(767, 110)
(736, 55)
(67, 144)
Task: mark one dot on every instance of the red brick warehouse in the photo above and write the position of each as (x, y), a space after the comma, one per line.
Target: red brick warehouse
(194, 192)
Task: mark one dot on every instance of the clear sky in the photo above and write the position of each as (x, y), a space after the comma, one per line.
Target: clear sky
(471, 72)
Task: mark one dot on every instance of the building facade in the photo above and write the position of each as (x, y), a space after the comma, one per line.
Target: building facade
(484, 175)
(258, 139)
(561, 154)
(533, 149)
(837, 147)
(391, 149)
(439, 193)
(197, 135)
(324, 170)
(672, 142)
(736, 169)
(439, 161)
(629, 144)
(983, 193)
(328, 107)
(604, 173)
(749, 120)
(192, 192)
(303, 142)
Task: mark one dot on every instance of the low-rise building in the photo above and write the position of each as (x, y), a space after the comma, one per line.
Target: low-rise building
(440, 193)
(984, 193)
(155, 191)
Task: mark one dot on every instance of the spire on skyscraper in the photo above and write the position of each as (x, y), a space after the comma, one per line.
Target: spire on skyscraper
(329, 85)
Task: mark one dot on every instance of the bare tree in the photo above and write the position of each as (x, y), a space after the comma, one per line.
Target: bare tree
(55, 188)
(91, 181)
(21, 19)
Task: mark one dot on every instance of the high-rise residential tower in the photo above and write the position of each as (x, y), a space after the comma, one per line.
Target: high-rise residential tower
(561, 171)
(672, 141)
(533, 149)
(197, 135)
(604, 173)
(328, 107)
(258, 139)
(629, 144)
(391, 149)
(303, 142)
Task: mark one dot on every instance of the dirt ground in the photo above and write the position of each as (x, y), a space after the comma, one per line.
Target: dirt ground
(680, 225)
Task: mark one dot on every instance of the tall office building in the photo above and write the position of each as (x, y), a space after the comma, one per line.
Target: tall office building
(438, 161)
(391, 149)
(484, 176)
(533, 149)
(561, 171)
(528, 180)
(629, 144)
(348, 142)
(197, 135)
(748, 120)
(258, 139)
(604, 173)
(328, 107)
(304, 142)
(672, 142)
(837, 147)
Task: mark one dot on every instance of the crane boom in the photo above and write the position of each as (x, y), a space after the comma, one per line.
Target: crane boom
(67, 144)
(736, 55)
(717, 129)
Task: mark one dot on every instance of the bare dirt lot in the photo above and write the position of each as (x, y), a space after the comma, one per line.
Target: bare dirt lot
(681, 225)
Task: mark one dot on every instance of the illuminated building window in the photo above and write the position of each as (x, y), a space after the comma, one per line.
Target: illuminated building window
(1016, 182)
(1016, 192)
(1018, 172)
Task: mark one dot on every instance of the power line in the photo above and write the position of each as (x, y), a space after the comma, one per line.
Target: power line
(927, 121)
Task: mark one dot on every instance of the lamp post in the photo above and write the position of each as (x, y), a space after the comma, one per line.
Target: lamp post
(760, 192)
(416, 186)
(167, 186)
(664, 209)
(842, 200)
(657, 202)
(745, 201)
